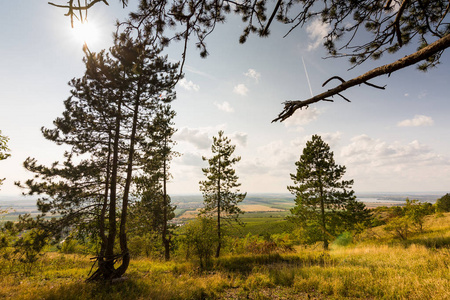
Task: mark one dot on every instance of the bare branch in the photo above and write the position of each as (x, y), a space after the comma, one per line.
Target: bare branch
(274, 12)
(291, 106)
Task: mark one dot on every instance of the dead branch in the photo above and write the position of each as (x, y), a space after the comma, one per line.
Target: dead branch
(292, 105)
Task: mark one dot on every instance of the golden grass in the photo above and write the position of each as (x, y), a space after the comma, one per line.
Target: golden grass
(367, 271)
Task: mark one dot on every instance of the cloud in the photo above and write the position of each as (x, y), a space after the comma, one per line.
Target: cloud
(191, 159)
(189, 85)
(240, 137)
(302, 117)
(317, 30)
(251, 73)
(241, 89)
(331, 138)
(274, 160)
(418, 120)
(225, 106)
(369, 152)
(379, 165)
(196, 137)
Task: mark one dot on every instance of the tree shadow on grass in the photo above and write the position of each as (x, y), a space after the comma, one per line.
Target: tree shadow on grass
(125, 289)
(244, 264)
(430, 242)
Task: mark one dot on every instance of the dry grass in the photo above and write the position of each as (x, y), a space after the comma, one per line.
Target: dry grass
(375, 270)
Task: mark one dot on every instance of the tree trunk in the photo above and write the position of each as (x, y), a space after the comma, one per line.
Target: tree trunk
(109, 252)
(166, 242)
(123, 219)
(219, 235)
(105, 260)
(105, 203)
(322, 209)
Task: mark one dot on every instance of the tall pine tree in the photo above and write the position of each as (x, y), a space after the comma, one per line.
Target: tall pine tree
(220, 189)
(155, 204)
(104, 120)
(325, 204)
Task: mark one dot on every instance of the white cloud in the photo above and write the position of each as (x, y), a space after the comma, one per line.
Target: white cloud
(273, 160)
(196, 137)
(366, 151)
(251, 73)
(418, 120)
(189, 85)
(241, 89)
(379, 165)
(317, 30)
(331, 138)
(302, 117)
(191, 159)
(225, 106)
(240, 137)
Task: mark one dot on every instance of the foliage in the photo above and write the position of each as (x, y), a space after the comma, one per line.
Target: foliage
(443, 203)
(28, 247)
(4, 147)
(399, 226)
(3, 150)
(390, 24)
(104, 120)
(253, 244)
(220, 189)
(155, 209)
(358, 30)
(199, 239)
(405, 218)
(325, 205)
(147, 244)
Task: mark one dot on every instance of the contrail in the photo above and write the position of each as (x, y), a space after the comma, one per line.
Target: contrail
(307, 77)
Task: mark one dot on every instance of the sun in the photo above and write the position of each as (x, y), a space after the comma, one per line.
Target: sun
(85, 32)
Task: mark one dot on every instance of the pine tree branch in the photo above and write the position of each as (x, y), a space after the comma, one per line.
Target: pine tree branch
(440, 45)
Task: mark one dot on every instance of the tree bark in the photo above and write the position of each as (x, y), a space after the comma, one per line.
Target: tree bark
(166, 242)
(291, 106)
(322, 209)
(123, 219)
(219, 236)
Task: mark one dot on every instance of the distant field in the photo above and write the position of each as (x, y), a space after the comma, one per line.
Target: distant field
(188, 205)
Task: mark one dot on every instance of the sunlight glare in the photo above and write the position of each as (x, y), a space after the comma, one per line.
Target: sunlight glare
(85, 32)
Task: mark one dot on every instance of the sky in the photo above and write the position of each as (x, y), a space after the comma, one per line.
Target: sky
(393, 140)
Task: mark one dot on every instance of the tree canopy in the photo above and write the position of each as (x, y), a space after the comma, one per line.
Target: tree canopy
(325, 205)
(443, 203)
(105, 119)
(389, 26)
(220, 189)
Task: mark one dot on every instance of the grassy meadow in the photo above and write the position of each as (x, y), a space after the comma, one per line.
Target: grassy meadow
(374, 266)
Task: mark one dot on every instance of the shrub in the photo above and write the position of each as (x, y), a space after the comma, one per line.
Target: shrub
(443, 203)
(199, 240)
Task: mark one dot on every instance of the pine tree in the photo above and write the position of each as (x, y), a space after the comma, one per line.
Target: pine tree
(157, 154)
(220, 193)
(104, 120)
(324, 204)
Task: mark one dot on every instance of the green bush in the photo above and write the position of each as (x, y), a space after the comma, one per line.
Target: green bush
(343, 239)
(199, 239)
